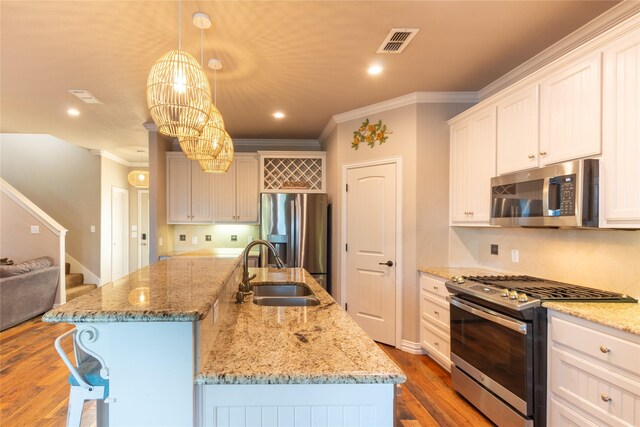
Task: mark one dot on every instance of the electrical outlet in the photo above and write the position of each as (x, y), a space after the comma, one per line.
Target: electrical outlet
(234, 238)
(249, 239)
(35, 229)
(159, 241)
(515, 255)
(194, 240)
(494, 249)
(92, 228)
(207, 237)
(183, 237)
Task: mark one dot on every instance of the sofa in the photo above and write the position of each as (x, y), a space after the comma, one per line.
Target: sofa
(26, 290)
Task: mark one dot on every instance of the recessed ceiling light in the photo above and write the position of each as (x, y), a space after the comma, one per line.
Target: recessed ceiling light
(374, 70)
(278, 115)
(73, 112)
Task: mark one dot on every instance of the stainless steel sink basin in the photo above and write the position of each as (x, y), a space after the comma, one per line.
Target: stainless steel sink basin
(281, 290)
(284, 295)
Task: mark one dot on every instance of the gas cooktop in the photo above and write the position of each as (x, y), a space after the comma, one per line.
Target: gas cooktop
(521, 292)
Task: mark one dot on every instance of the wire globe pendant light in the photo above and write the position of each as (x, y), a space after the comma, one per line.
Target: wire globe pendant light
(139, 178)
(178, 93)
(208, 144)
(224, 159)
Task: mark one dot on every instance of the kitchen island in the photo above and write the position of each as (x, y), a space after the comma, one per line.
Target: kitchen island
(179, 351)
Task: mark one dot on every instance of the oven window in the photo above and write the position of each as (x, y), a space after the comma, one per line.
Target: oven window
(497, 351)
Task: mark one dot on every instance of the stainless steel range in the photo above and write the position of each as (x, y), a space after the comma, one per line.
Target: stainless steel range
(498, 342)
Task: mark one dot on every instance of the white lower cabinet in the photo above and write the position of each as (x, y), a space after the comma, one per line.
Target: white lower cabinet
(593, 374)
(435, 337)
(296, 405)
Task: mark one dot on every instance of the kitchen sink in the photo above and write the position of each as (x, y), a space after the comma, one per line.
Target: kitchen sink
(284, 295)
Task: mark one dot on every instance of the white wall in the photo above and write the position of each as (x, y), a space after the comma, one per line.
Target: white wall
(421, 138)
(64, 181)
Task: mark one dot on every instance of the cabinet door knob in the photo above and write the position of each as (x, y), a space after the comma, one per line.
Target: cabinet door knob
(435, 288)
(437, 344)
(605, 397)
(437, 313)
(531, 157)
(604, 349)
(543, 153)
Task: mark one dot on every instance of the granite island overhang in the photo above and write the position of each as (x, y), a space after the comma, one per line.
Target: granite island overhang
(180, 351)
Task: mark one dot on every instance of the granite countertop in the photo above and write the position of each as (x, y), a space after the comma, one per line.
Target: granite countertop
(623, 316)
(449, 272)
(180, 289)
(293, 345)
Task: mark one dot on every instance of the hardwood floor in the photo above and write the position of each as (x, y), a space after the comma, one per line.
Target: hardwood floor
(34, 389)
(427, 398)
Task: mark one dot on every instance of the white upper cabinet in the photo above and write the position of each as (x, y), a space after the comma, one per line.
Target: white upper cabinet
(189, 191)
(517, 145)
(473, 163)
(236, 196)
(620, 165)
(570, 105)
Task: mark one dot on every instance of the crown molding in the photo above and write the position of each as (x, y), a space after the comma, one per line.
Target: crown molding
(401, 101)
(265, 144)
(582, 35)
(117, 159)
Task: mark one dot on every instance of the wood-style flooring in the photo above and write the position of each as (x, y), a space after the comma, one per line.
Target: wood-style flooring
(34, 389)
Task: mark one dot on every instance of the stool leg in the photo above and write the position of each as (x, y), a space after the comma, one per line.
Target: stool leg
(74, 413)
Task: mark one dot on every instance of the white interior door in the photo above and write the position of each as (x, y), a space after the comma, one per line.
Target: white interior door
(371, 253)
(143, 228)
(119, 232)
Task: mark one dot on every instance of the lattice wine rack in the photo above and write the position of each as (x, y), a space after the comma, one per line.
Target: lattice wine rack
(292, 172)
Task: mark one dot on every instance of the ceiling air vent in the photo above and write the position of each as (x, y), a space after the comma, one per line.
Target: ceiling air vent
(85, 96)
(397, 40)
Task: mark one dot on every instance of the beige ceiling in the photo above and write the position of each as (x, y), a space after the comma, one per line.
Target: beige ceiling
(306, 58)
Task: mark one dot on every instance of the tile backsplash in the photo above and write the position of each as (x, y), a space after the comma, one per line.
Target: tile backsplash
(221, 236)
(604, 259)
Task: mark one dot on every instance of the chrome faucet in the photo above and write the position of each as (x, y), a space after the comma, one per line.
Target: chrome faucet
(244, 288)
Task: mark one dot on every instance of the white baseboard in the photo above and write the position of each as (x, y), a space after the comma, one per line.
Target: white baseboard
(411, 347)
(76, 267)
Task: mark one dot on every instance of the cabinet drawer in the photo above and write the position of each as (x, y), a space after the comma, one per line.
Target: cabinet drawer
(603, 347)
(435, 309)
(561, 416)
(434, 340)
(612, 398)
(434, 286)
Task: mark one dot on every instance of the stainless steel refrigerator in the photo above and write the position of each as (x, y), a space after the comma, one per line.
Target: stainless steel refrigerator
(296, 224)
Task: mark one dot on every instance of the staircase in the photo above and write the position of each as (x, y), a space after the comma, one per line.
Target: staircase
(75, 285)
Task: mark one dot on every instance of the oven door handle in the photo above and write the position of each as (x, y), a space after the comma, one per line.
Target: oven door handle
(492, 316)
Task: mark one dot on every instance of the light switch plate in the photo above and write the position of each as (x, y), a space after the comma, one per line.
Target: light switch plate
(92, 228)
(35, 229)
(515, 255)
(194, 240)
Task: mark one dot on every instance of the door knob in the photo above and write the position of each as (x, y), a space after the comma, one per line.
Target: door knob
(388, 263)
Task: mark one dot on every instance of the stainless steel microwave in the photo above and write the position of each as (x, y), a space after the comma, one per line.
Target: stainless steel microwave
(560, 195)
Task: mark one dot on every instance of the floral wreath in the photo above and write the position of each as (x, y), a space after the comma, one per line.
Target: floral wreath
(370, 133)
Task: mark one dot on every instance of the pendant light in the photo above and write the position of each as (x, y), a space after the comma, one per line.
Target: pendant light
(223, 161)
(208, 144)
(178, 93)
(139, 178)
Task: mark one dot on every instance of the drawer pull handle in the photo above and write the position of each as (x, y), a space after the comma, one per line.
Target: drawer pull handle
(437, 344)
(435, 288)
(604, 349)
(605, 397)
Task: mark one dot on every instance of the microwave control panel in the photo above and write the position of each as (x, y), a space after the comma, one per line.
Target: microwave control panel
(565, 195)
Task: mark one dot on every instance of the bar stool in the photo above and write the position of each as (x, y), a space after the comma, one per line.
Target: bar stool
(85, 379)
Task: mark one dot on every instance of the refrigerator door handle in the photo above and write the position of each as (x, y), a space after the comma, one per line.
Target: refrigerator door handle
(299, 231)
(292, 238)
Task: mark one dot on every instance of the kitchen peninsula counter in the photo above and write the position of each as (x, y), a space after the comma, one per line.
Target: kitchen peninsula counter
(178, 350)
